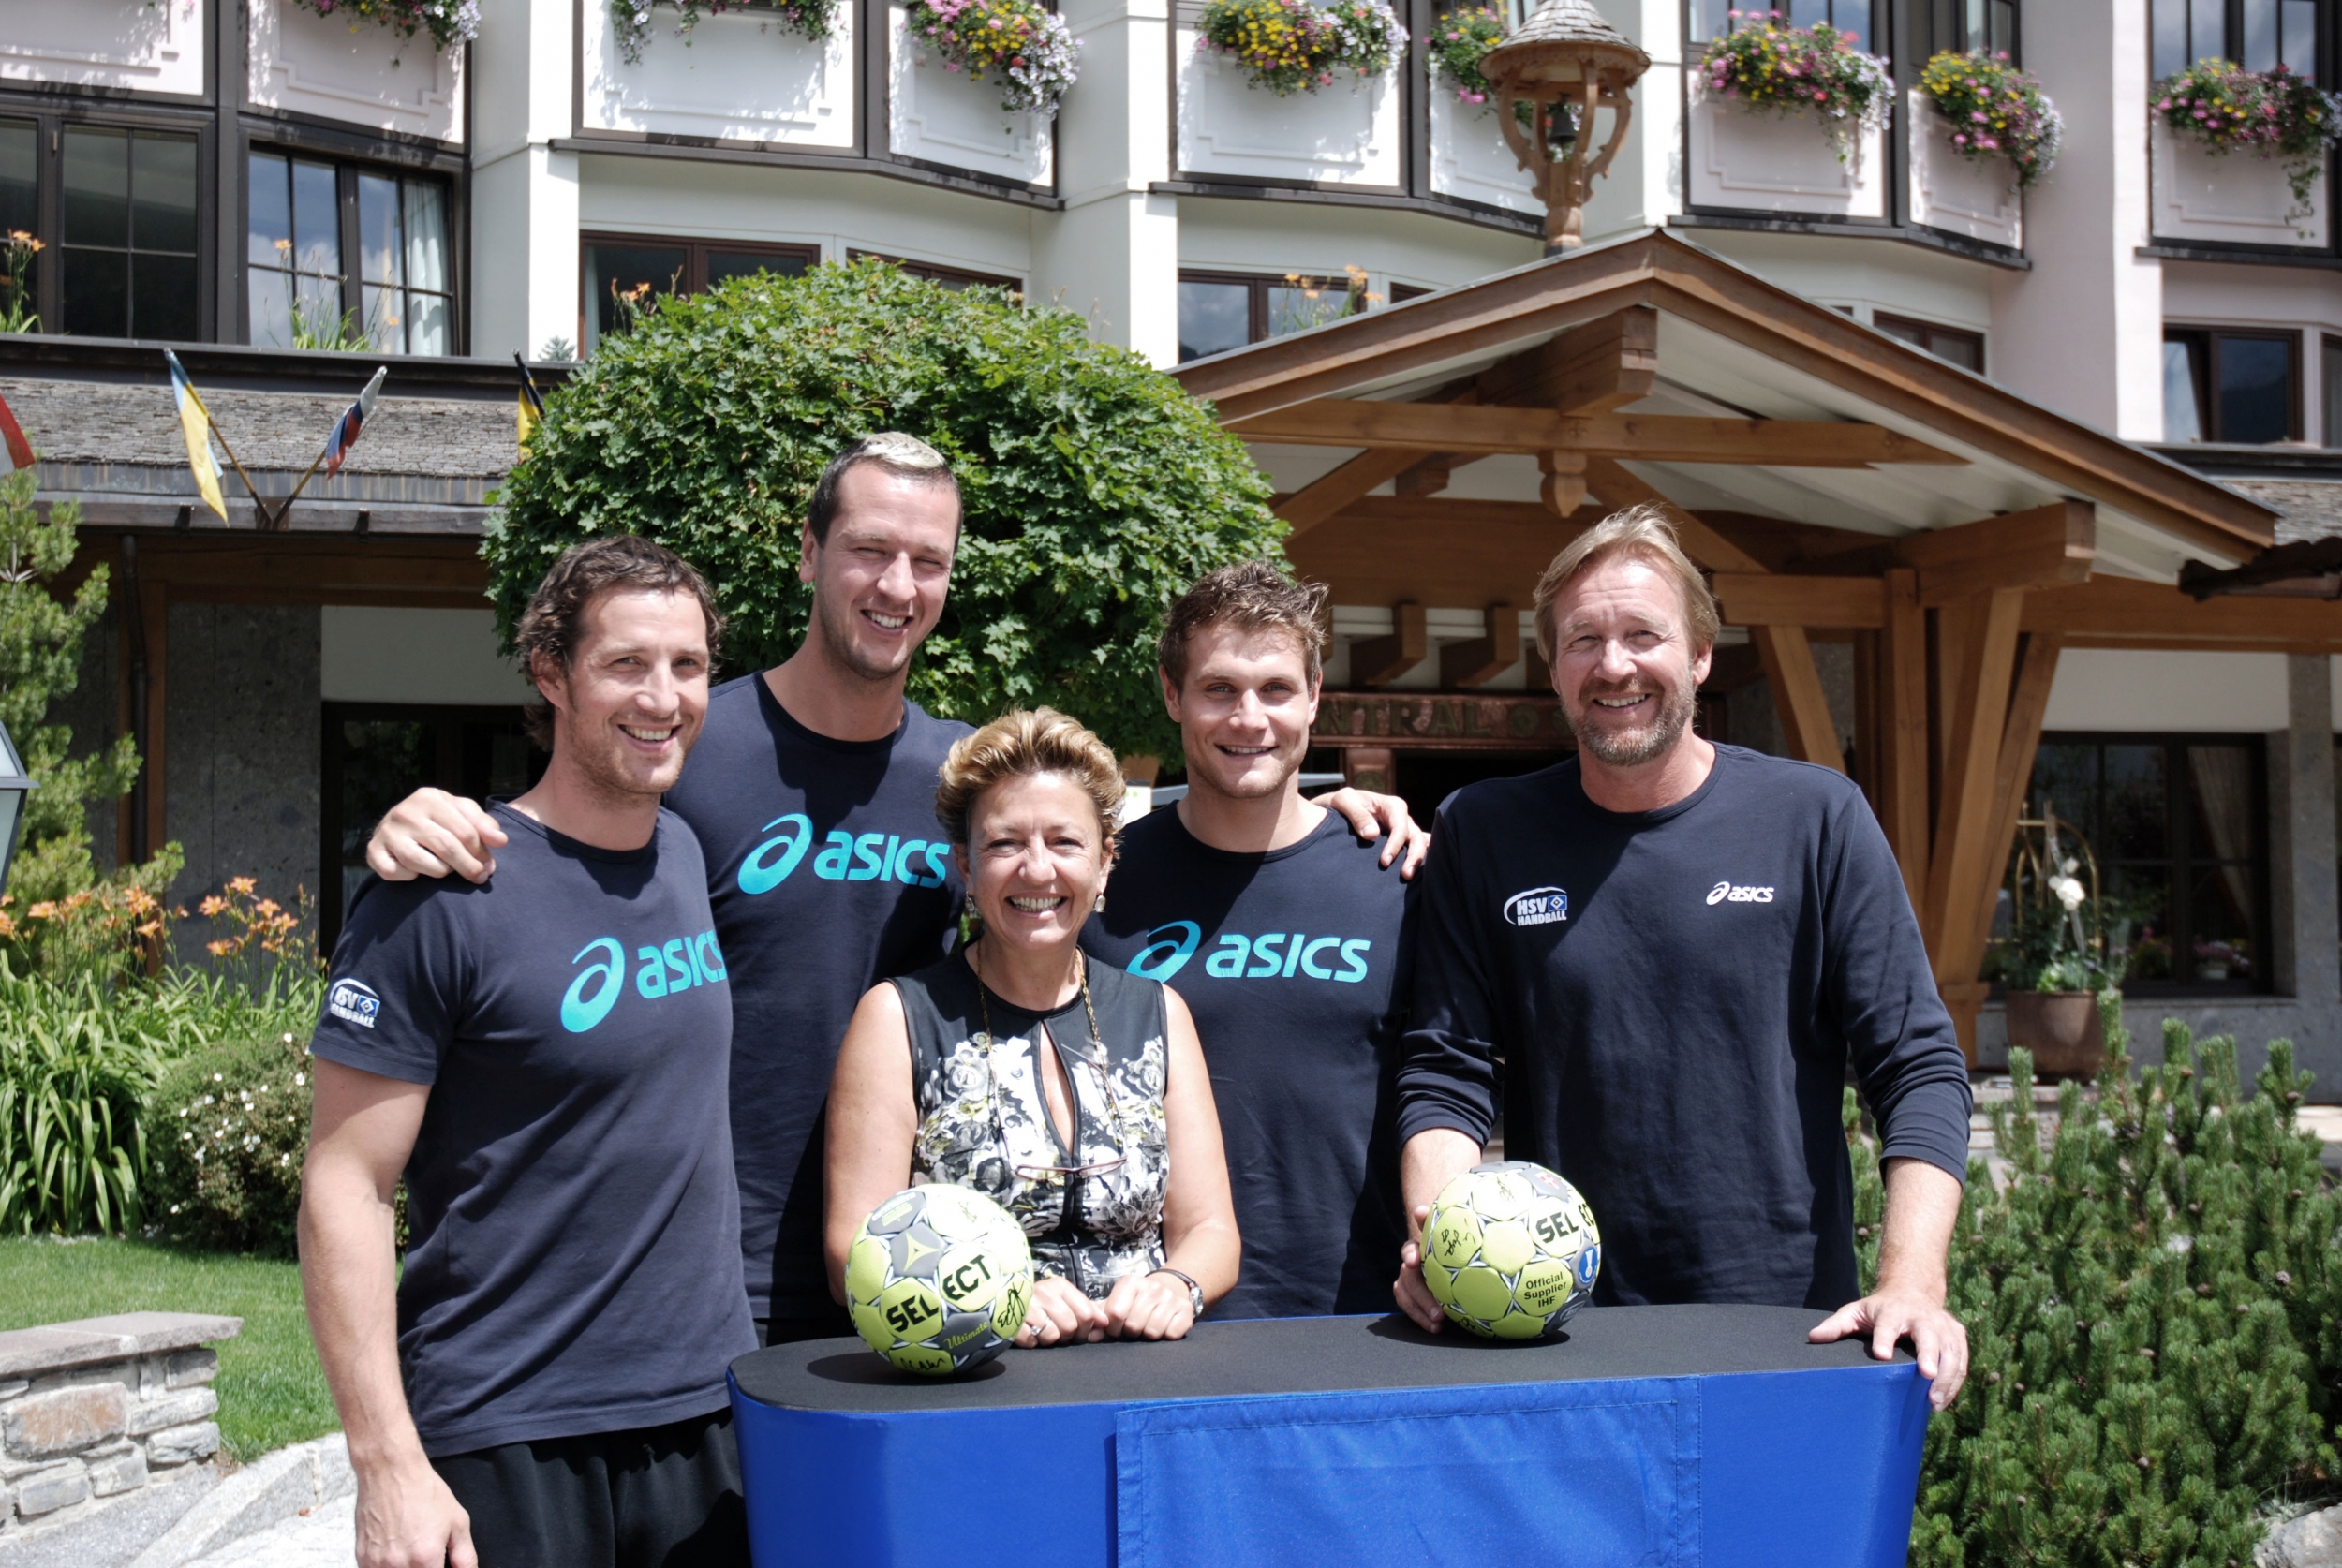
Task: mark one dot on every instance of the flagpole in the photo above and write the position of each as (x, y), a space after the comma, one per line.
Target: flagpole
(259, 505)
(285, 510)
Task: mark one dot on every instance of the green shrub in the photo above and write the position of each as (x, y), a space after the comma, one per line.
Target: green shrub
(1096, 490)
(2153, 1305)
(73, 1071)
(231, 1124)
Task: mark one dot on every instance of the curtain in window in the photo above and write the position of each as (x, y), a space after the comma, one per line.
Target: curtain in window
(2223, 777)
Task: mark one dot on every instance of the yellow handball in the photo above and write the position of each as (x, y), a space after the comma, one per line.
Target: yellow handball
(938, 1279)
(1510, 1250)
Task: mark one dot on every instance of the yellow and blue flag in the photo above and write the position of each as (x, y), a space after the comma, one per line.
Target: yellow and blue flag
(195, 423)
(532, 407)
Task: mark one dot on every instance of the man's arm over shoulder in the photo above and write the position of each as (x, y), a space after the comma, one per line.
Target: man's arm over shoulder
(1904, 1051)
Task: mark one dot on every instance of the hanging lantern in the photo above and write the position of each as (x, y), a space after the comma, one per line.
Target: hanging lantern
(1547, 80)
(14, 787)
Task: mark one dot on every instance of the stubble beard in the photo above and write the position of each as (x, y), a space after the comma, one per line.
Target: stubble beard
(1633, 748)
(836, 629)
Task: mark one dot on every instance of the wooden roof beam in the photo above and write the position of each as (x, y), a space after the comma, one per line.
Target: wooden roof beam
(2046, 547)
(1482, 431)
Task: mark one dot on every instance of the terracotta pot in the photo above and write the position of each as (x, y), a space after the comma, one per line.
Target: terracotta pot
(2061, 1030)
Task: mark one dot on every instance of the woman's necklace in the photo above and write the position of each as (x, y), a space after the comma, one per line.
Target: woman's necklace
(984, 1006)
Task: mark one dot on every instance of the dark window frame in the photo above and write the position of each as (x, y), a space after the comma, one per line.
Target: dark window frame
(1929, 333)
(51, 119)
(1699, 15)
(1258, 317)
(695, 249)
(2206, 368)
(447, 773)
(347, 171)
(2179, 861)
(936, 272)
(2232, 34)
(2004, 29)
(2330, 387)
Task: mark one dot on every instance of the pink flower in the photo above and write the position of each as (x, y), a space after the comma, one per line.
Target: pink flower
(951, 64)
(1977, 114)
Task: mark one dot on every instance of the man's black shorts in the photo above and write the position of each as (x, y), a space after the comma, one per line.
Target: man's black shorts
(656, 1497)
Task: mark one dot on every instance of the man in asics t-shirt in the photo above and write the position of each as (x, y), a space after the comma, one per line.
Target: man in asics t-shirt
(812, 791)
(1285, 936)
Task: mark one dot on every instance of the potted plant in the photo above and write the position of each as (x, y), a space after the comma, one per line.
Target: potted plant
(1767, 66)
(630, 20)
(2223, 107)
(1993, 110)
(1295, 46)
(2056, 962)
(447, 20)
(1458, 41)
(1031, 51)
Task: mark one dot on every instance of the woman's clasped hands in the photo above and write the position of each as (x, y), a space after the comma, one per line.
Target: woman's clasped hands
(1141, 1306)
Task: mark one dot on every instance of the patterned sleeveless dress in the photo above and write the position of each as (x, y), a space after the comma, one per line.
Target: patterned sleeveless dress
(1092, 1208)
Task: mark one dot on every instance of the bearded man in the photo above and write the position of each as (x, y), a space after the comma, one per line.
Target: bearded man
(1672, 951)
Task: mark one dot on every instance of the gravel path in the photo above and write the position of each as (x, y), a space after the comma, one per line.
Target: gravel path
(321, 1538)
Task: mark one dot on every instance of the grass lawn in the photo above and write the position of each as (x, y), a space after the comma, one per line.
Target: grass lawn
(272, 1391)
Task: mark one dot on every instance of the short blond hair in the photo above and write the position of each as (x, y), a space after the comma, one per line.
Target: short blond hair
(1642, 533)
(1019, 744)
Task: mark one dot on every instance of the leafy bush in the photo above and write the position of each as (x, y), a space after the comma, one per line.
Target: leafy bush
(1767, 66)
(2269, 113)
(1096, 490)
(2153, 1305)
(1996, 111)
(1460, 40)
(73, 1073)
(1293, 46)
(1029, 49)
(230, 1125)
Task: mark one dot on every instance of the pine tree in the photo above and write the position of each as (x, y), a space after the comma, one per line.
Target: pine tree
(2154, 1307)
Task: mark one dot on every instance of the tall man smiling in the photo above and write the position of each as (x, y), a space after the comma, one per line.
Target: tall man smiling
(1674, 949)
(813, 794)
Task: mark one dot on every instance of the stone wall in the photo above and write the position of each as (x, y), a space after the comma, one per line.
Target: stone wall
(98, 1408)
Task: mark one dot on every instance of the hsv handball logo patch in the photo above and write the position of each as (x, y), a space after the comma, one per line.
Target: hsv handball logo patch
(1537, 905)
(354, 1002)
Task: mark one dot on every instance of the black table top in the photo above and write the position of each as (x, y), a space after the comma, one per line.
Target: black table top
(1304, 1356)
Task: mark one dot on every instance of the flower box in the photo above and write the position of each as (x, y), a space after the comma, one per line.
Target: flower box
(1347, 134)
(1959, 195)
(740, 76)
(2228, 199)
(1768, 163)
(1470, 160)
(938, 116)
(308, 63)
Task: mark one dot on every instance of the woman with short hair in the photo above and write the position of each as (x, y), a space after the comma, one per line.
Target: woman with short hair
(1073, 1094)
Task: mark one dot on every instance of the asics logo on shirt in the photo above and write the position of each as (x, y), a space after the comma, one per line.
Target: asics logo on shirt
(1725, 893)
(1276, 955)
(870, 857)
(664, 969)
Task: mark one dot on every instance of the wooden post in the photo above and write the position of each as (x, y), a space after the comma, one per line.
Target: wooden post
(1811, 733)
(1902, 725)
(1961, 869)
(1380, 660)
(1483, 658)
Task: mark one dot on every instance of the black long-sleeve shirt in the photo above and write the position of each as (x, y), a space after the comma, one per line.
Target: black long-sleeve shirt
(1668, 1001)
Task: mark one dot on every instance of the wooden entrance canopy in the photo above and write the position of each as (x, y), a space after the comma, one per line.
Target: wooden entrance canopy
(1833, 481)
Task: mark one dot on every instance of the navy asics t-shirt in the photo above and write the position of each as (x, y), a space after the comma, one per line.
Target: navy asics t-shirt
(1293, 963)
(1671, 1000)
(829, 874)
(573, 1266)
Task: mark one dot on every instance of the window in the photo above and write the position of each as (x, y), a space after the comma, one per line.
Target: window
(2177, 825)
(306, 217)
(1963, 348)
(623, 272)
(376, 753)
(1969, 26)
(2240, 387)
(1218, 311)
(2330, 387)
(1713, 18)
(950, 278)
(19, 207)
(2259, 35)
(126, 251)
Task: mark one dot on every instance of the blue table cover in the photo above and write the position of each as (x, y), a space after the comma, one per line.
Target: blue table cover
(1708, 1436)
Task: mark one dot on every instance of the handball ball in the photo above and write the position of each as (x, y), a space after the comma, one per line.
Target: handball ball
(1510, 1250)
(938, 1279)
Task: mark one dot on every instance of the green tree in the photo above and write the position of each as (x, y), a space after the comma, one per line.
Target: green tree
(41, 660)
(2154, 1303)
(1095, 488)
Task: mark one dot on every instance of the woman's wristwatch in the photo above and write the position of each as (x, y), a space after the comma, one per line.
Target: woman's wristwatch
(1194, 1291)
